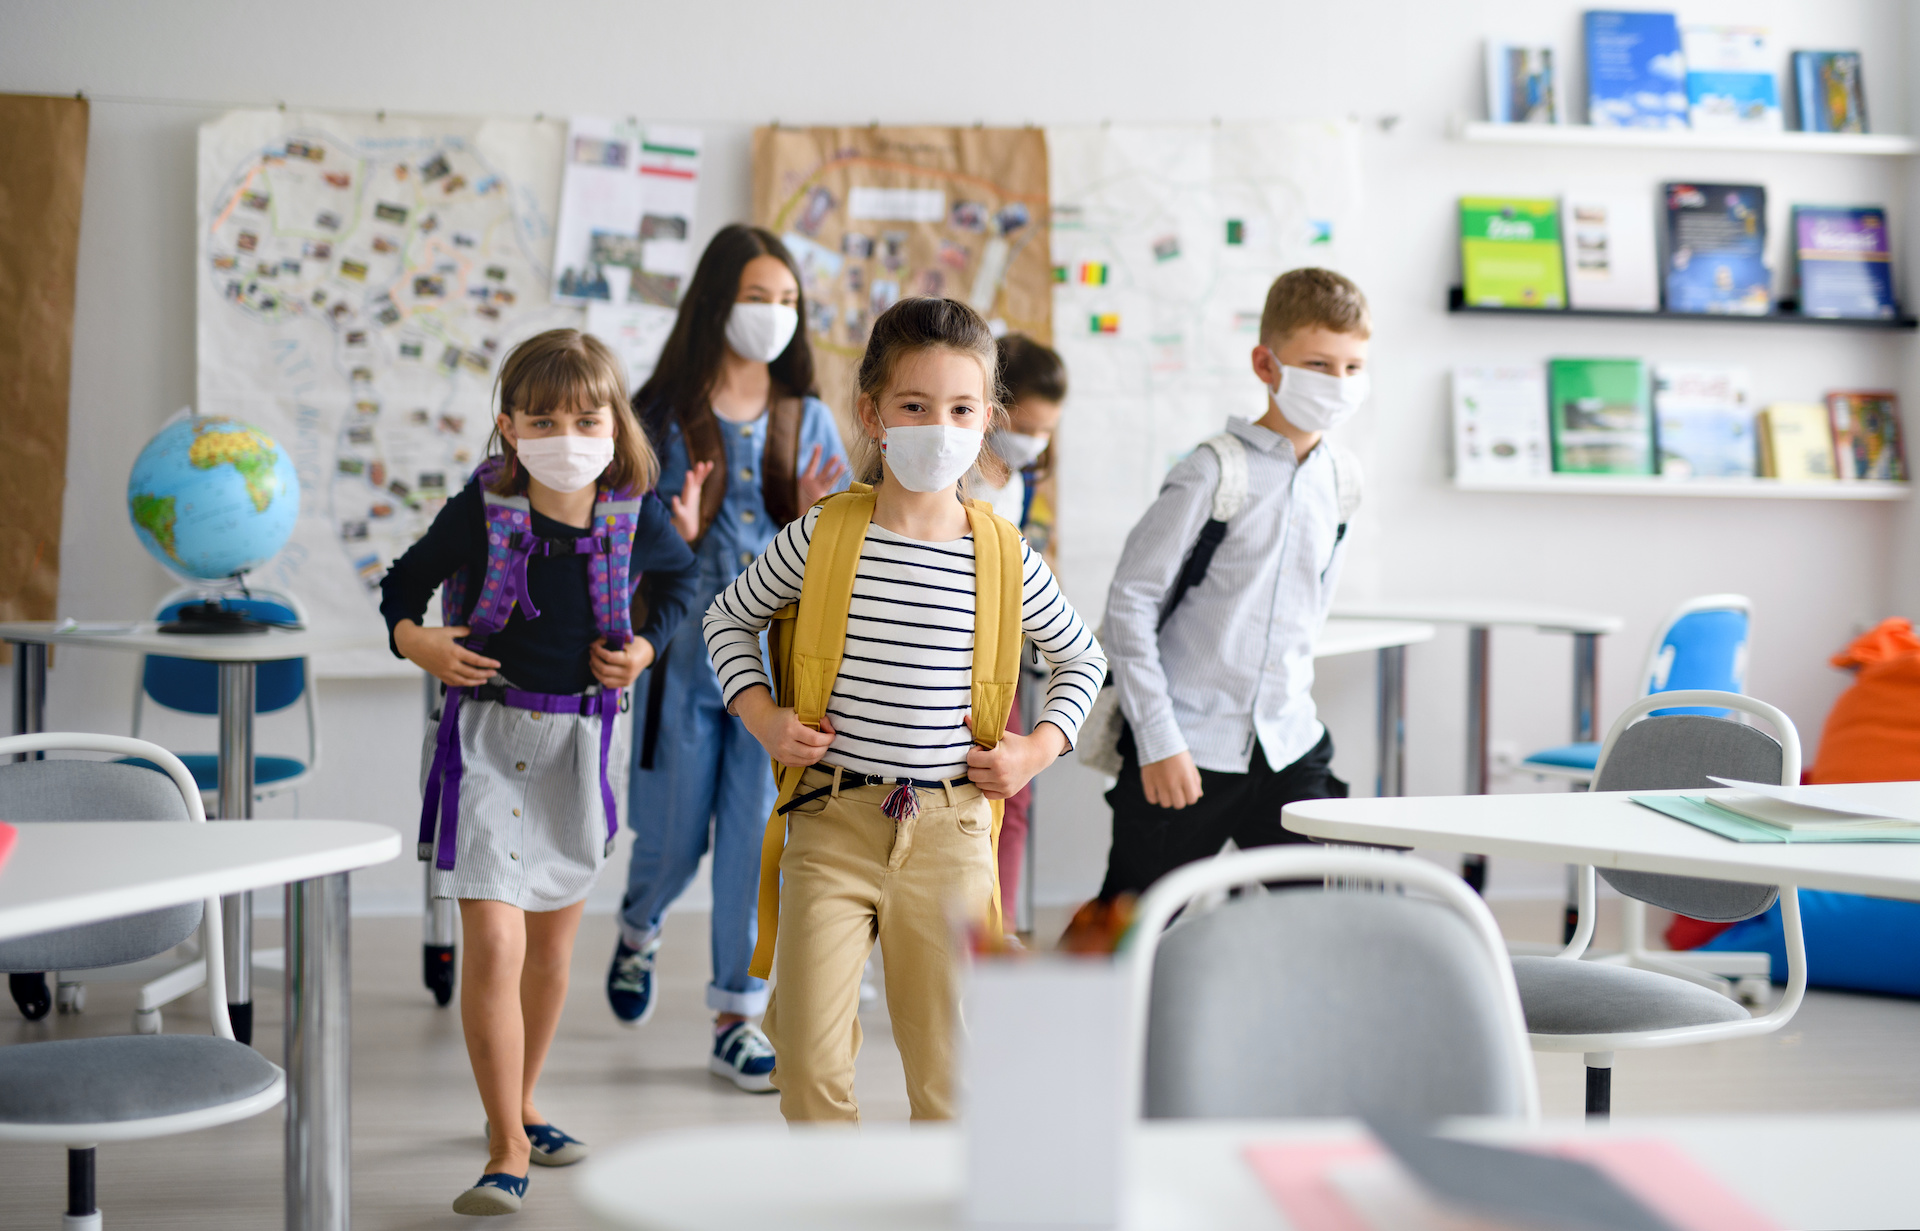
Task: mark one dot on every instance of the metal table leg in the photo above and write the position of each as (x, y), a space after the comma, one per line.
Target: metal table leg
(1479, 645)
(319, 1182)
(1586, 703)
(1390, 722)
(29, 692)
(236, 804)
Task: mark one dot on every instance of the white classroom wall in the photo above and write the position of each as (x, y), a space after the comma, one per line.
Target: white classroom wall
(1817, 571)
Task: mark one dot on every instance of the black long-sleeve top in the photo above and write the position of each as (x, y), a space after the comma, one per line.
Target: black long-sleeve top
(550, 654)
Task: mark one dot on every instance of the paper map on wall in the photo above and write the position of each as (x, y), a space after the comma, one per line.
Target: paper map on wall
(360, 280)
(1165, 239)
(873, 215)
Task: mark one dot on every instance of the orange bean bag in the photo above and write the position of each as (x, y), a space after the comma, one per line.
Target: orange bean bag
(1873, 733)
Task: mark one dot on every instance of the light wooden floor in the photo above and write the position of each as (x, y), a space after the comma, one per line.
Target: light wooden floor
(417, 1120)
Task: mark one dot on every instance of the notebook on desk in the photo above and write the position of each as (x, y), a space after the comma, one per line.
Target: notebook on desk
(1702, 812)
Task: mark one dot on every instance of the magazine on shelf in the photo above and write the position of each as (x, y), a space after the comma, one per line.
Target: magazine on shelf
(1500, 423)
(1716, 249)
(1612, 262)
(1636, 71)
(1843, 262)
(1703, 421)
(1510, 252)
(1796, 442)
(1827, 92)
(1730, 79)
(1521, 85)
(1600, 416)
(1866, 435)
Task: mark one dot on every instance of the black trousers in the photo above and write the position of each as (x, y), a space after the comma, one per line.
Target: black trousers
(1150, 841)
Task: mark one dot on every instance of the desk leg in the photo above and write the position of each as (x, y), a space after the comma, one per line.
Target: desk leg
(1586, 703)
(1390, 722)
(319, 1180)
(1479, 645)
(29, 692)
(236, 804)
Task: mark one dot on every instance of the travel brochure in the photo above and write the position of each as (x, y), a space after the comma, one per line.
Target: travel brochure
(1646, 70)
(1679, 421)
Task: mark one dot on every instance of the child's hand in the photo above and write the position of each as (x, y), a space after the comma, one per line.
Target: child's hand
(617, 669)
(438, 652)
(786, 739)
(685, 507)
(1173, 782)
(1000, 771)
(816, 481)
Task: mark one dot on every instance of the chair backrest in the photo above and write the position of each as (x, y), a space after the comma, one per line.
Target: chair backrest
(1661, 749)
(1340, 1002)
(77, 790)
(1703, 644)
(194, 687)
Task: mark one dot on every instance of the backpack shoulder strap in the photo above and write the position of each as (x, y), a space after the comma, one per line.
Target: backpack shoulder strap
(780, 464)
(509, 542)
(616, 516)
(1230, 493)
(996, 621)
(1349, 482)
(826, 594)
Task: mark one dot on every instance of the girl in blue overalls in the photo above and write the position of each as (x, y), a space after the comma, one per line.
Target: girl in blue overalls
(745, 447)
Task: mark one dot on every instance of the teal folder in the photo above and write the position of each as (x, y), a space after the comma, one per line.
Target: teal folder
(1698, 811)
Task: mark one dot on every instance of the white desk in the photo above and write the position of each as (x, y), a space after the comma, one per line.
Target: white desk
(1389, 639)
(1804, 1172)
(238, 656)
(63, 873)
(1586, 628)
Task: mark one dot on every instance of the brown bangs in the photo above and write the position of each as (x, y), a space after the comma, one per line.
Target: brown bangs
(565, 369)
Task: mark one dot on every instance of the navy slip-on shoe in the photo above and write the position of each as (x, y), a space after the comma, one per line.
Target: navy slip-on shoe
(495, 1193)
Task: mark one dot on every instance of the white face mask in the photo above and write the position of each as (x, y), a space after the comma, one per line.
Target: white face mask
(761, 331)
(1316, 402)
(1019, 449)
(930, 456)
(565, 463)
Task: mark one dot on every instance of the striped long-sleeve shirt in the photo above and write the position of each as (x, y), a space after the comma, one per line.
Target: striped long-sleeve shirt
(905, 683)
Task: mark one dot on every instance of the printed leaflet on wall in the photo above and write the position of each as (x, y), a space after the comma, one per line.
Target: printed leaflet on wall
(1611, 261)
(1730, 81)
(1636, 72)
(1796, 442)
(1599, 416)
(1704, 421)
(1510, 252)
(1500, 423)
(627, 198)
(1845, 269)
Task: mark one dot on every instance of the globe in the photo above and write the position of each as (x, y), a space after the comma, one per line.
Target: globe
(211, 497)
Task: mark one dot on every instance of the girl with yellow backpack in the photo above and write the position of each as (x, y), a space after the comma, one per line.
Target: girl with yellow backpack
(896, 612)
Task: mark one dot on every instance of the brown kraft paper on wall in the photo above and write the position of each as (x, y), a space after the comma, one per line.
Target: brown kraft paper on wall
(873, 215)
(43, 165)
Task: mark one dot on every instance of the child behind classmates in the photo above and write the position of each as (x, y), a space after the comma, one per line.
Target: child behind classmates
(1221, 731)
(885, 814)
(524, 767)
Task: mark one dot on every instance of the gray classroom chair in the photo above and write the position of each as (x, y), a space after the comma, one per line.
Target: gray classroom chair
(1357, 999)
(1597, 1007)
(82, 1092)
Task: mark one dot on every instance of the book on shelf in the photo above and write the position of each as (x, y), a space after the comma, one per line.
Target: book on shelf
(1611, 258)
(1599, 416)
(1730, 81)
(1827, 92)
(1703, 421)
(1796, 442)
(1716, 249)
(1521, 85)
(1500, 423)
(1636, 70)
(1843, 262)
(1510, 252)
(1866, 435)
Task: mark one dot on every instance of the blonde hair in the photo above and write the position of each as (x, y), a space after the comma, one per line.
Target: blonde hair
(919, 324)
(1306, 298)
(565, 369)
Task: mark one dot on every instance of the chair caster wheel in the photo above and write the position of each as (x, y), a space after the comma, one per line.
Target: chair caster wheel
(71, 997)
(1754, 991)
(437, 971)
(30, 993)
(146, 1021)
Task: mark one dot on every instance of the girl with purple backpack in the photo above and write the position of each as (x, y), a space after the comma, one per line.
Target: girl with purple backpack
(543, 555)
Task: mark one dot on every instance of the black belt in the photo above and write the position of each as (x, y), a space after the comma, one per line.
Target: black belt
(850, 780)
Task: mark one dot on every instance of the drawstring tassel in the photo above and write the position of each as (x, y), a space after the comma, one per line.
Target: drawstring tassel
(901, 803)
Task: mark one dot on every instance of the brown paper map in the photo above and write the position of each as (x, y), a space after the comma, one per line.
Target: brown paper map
(43, 150)
(874, 215)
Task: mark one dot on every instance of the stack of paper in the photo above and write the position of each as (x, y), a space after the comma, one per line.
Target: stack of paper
(1802, 810)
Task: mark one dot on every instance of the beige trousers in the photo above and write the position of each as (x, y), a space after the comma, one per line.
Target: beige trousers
(851, 875)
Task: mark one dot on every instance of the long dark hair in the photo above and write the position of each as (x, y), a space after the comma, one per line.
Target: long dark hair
(681, 386)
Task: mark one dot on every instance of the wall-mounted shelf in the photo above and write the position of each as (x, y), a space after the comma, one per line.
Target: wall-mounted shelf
(1884, 145)
(1457, 303)
(1739, 489)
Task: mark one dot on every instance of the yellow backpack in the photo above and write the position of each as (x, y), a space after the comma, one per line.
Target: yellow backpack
(807, 639)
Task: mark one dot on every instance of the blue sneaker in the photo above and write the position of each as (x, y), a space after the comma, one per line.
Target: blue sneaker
(743, 1056)
(495, 1193)
(630, 982)
(551, 1147)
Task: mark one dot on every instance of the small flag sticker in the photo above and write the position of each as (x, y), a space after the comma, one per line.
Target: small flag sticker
(1236, 232)
(1104, 322)
(1091, 273)
(1322, 232)
(1059, 273)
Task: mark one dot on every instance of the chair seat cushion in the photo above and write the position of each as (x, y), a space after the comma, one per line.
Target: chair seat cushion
(205, 768)
(1565, 997)
(125, 1077)
(1567, 756)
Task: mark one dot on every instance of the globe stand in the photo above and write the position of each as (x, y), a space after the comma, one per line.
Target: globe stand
(213, 618)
